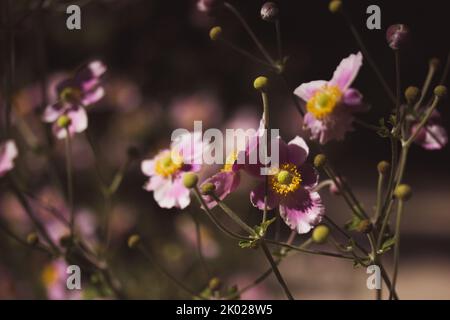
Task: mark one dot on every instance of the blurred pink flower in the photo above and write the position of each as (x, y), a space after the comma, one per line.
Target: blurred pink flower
(124, 94)
(330, 104)
(74, 94)
(8, 152)
(54, 279)
(167, 168)
(433, 136)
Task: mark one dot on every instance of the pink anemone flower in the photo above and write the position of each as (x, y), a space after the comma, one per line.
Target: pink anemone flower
(330, 104)
(167, 168)
(290, 188)
(433, 136)
(8, 152)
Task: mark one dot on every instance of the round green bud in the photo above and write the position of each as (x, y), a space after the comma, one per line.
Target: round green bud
(383, 167)
(365, 226)
(207, 188)
(32, 238)
(440, 91)
(215, 33)
(190, 180)
(133, 241)
(63, 121)
(412, 94)
(214, 284)
(335, 6)
(403, 192)
(261, 83)
(320, 160)
(320, 234)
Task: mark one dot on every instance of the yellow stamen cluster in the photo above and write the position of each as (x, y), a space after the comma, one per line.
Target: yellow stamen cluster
(70, 94)
(49, 275)
(324, 101)
(168, 163)
(286, 180)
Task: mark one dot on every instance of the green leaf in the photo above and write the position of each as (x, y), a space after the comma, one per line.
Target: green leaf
(353, 224)
(387, 245)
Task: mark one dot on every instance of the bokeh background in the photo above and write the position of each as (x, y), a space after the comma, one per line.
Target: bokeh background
(164, 73)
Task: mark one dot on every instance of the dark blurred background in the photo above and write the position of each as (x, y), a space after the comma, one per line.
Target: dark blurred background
(160, 52)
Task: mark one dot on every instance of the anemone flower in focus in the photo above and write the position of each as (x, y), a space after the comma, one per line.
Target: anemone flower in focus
(330, 104)
(167, 168)
(8, 152)
(290, 188)
(74, 94)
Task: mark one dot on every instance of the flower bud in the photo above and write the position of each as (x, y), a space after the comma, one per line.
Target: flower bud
(215, 32)
(383, 167)
(320, 160)
(403, 192)
(64, 121)
(335, 6)
(207, 188)
(133, 241)
(365, 226)
(397, 35)
(320, 234)
(214, 284)
(412, 94)
(32, 238)
(269, 11)
(261, 83)
(440, 91)
(190, 180)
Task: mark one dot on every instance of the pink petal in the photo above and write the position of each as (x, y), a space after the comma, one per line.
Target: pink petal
(302, 211)
(297, 151)
(307, 90)
(8, 152)
(53, 112)
(257, 198)
(225, 182)
(346, 72)
(148, 167)
(93, 96)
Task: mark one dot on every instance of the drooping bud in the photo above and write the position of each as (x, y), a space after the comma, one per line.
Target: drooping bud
(133, 241)
(320, 234)
(440, 91)
(320, 160)
(207, 188)
(412, 95)
(397, 35)
(214, 284)
(215, 32)
(209, 6)
(190, 180)
(261, 83)
(365, 226)
(32, 238)
(335, 6)
(63, 121)
(269, 11)
(383, 167)
(403, 192)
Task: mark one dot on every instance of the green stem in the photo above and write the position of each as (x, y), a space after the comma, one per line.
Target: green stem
(245, 53)
(431, 71)
(275, 269)
(398, 87)
(199, 246)
(396, 247)
(252, 35)
(379, 196)
(265, 100)
(424, 121)
(70, 181)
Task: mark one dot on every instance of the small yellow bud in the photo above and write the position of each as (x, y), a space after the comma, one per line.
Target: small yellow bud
(32, 238)
(215, 33)
(335, 6)
(207, 188)
(261, 83)
(403, 192)
(64, 121)
(320, 234)
(440, 91)
(383, 167)
(365, 226)
(133, 241)
(190, 180)
(214, 284)
(320, 160)
(412, 94)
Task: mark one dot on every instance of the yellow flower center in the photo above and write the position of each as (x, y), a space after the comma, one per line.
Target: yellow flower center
(229, 162)
(70, 94)
(49, 275)
(286, 179)
(324, 101)
(168, 163)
